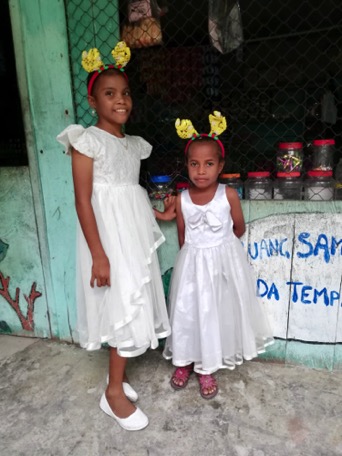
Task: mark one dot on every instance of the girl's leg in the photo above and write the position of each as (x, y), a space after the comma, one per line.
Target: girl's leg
(115, 395)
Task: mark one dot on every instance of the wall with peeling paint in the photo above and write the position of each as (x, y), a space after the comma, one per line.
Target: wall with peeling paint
(23, 301)
(45, 201)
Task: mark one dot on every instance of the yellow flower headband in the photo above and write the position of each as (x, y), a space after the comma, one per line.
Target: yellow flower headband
(92, 63)
(186, 130)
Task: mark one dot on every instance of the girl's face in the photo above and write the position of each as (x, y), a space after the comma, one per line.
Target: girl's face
(112, 101)
(204, 164)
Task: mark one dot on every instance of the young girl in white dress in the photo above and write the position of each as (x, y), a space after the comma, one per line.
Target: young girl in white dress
(215, 316)
(120, 295)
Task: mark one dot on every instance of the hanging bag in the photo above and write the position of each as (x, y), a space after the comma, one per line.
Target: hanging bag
(143, 26)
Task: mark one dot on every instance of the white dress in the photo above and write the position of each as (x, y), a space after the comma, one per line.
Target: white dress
(131, 314)
(216, 317)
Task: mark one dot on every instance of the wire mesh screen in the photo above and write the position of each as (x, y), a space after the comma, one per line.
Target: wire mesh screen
(272, 68)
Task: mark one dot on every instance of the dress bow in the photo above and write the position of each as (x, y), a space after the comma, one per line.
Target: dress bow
(205, 217)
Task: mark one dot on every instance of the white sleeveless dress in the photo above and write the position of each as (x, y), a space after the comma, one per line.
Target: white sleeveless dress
(216, 317)
(131, 314)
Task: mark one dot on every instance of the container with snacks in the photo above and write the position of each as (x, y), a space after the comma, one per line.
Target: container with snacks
(290, 157)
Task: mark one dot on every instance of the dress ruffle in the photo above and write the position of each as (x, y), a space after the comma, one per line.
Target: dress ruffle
(131, 314)
(216, 318)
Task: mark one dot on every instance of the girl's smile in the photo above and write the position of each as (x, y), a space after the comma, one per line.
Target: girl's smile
(112, 101)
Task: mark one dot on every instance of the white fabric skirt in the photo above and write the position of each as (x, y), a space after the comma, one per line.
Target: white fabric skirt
(216, 318)
(131, 314)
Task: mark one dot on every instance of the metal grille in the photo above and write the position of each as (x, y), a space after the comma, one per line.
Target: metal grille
(276, 65)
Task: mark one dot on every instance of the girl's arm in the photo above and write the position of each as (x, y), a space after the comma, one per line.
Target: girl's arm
(239, 226)
(82, 172)
(180, 221)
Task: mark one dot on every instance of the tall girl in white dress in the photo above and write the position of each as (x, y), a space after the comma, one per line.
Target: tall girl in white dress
(120, 295)
(216, 317)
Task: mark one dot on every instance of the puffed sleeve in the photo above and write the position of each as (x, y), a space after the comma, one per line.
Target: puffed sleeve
(141, 147)
(81, 139)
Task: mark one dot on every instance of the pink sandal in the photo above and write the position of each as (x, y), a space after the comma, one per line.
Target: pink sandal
(181, 374)
(206, 383)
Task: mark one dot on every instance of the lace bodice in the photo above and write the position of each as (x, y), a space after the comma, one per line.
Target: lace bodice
(116, 160)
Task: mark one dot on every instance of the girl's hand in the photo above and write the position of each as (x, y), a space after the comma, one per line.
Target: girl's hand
(169, 209)
(100, 272)
(170, 202)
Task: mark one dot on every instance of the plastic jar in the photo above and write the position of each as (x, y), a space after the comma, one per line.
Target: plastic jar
(258, 186)
(319, 186)
(160, 187)
(234, 181)
(290, 157)
(323, 154)
(181, 186)
(288, 186)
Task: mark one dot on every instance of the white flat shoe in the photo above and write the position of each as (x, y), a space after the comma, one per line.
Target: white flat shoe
(138, 420)
(130, 393)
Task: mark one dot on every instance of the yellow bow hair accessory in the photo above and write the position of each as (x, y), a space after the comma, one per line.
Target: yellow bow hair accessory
(91, 60)
(218, 124)
(185, 129)
(121, 54)
(92, 63)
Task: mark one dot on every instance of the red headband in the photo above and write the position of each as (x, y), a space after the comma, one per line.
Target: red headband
(101, 70)
(205, 135)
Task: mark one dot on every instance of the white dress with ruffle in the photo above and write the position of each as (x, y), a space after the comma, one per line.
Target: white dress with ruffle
(131, 314)
(215, 314)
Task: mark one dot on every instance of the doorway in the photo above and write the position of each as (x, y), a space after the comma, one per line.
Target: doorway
(12, 138)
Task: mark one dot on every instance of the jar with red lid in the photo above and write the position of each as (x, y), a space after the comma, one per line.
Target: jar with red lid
(258, 186)
(290, 157)
(288, 186)
(323, 154)
(181, 186)
(319, 186)
(234, 181)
